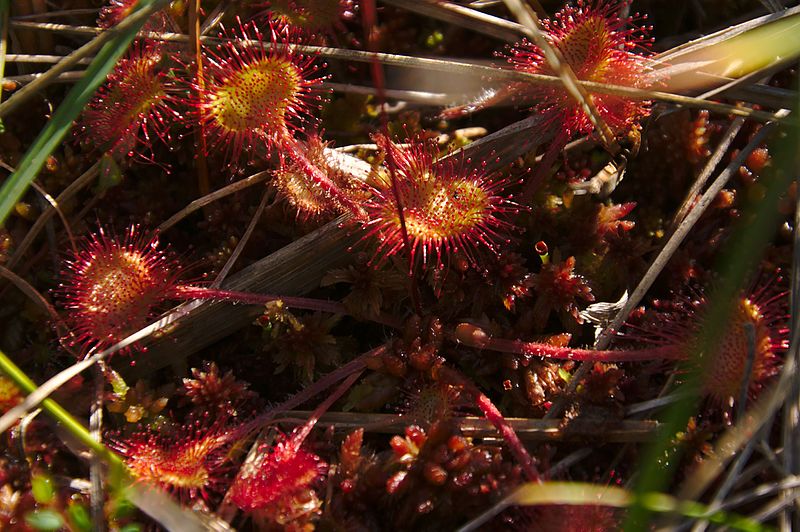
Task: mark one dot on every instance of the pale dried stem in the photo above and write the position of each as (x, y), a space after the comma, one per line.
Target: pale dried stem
(65, 77)
(223, 273)
(54, 204)
(43, 59)
(422, 97)
(212, 197)
(463, 16)
(721, 149)
(57, 13)
(68, 193)
(466, 68)
(26, 288)
(532, 430)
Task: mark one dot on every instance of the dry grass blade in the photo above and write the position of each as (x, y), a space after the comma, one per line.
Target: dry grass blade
(199, 203)
(67, 194)
(65, 77)
(463, 16)
(711, 164)
(170, 514)
(474, 71)
(223, 273)
(42, 59)
(26, 288)
(684, 53)
(478, 427)
(422, 97)
(287, 271)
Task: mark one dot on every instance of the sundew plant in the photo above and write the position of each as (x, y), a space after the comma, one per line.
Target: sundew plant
(400, 265)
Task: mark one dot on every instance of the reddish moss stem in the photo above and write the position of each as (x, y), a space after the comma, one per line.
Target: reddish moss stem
(476, 337)
(495, 417)
(300, 436)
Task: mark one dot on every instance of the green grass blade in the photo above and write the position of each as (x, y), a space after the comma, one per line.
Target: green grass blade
(584, 494)
(742, 252)
(61, 121)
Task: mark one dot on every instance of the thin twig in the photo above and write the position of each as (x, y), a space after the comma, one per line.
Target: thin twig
(54, 204)
(422, 97)
(212, 197)
(65, 77)
(43, 59)
(708, 169)
(26, 288)
(76, 186)
(57, 13)
(459, 15)
(214, 18)
(243, 241)
(479, 427)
